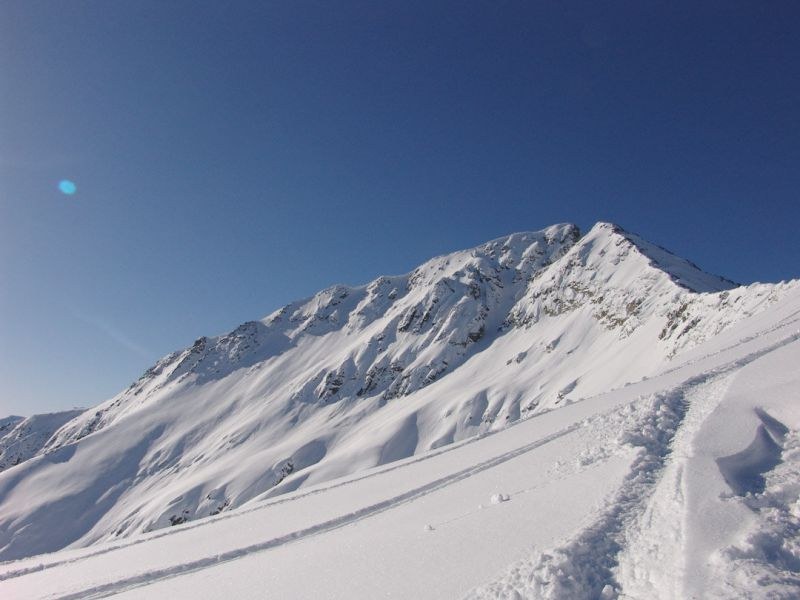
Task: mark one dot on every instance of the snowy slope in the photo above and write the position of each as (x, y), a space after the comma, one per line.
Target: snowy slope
(8, 423)
(21, 439)
(683, 485)
(353, 378)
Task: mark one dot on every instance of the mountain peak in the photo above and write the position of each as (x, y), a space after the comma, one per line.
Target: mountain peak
(355, 377)
(682, 272)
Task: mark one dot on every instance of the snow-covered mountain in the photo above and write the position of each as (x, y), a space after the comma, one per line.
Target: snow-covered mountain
(357, 377)
(21, 439)
(682, 485)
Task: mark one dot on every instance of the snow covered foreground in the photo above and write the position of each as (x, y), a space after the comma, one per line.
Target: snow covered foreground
(683, 485)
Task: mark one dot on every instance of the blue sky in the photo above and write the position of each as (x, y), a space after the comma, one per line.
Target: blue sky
(232, 157)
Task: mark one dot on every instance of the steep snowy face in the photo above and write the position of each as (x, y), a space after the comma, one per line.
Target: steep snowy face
(21, 439)
(8, 423)
(618, 274)
(355, 377)
(395, 335)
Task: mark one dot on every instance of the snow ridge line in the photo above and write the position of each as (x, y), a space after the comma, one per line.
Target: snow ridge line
(348, 519)
(785, 322)
(583, 567)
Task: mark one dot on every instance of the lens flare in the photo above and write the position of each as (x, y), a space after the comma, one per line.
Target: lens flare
(67, 187)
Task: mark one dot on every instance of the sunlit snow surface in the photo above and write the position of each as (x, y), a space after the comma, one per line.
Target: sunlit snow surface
(684, 484)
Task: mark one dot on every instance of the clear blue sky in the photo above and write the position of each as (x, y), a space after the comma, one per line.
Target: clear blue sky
(230, 157)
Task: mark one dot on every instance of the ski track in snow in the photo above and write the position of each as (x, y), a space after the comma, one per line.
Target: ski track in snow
(588, 566)
(322, 488)
(87, 553)
(181, 569)
(656, 534)
(783, 323)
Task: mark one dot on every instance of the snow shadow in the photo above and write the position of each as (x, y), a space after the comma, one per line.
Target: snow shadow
(744, 471)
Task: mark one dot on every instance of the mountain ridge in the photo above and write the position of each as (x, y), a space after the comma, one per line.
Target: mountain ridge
(354, 377)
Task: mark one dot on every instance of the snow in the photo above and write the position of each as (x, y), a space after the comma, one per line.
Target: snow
(746, 454)
(624, 426)
(21, 438)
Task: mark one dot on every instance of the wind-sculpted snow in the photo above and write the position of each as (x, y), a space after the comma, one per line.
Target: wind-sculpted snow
(769, 552)
(744, 471)
(356, 377)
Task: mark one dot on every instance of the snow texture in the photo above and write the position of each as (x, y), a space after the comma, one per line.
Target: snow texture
(548, 415)
(21, 439)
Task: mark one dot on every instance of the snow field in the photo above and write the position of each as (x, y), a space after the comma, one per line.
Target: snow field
(363, 447)
(563, 492)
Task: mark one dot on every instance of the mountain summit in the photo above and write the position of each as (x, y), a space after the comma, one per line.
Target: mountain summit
(356, 377)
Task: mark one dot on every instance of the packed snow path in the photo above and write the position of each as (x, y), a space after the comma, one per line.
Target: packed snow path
(610, 487)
